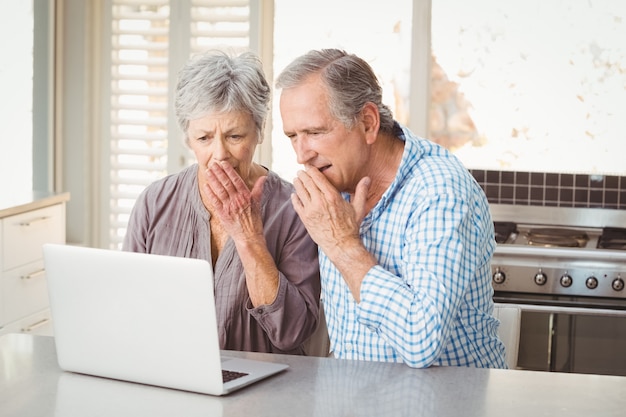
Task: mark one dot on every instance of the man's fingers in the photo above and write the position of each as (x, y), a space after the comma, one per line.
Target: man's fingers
(303, 184)
(319, 181)
(360, 198)
(297, 203)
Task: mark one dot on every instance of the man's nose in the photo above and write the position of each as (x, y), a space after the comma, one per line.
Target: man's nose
(304, 153)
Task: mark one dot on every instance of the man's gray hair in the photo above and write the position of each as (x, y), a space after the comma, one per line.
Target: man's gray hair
(350, 80)
(216, 81)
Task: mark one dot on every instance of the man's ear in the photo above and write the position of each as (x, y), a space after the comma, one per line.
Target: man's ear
(370, 118)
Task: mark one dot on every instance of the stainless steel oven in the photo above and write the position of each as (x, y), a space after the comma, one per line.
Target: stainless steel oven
(565, 268)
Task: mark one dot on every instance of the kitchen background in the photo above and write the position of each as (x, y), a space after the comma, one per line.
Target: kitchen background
(537, 115)
(530, 95)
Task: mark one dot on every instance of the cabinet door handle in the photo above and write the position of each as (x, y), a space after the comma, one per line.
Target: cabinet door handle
(34, 274)
(28, 223)
(35, 325)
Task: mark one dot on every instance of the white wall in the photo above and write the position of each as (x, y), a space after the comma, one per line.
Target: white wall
(77, 30)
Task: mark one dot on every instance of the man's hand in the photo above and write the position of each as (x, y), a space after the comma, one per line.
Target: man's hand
(333, 223)
(329, 219)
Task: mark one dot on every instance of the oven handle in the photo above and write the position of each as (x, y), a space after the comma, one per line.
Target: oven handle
(570, 310)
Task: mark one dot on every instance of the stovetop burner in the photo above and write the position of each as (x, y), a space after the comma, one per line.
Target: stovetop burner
(554, 237)
(511, 233)
(504, 231)
(612, 238)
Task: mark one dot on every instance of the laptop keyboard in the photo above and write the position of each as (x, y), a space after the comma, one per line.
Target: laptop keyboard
(231, 375)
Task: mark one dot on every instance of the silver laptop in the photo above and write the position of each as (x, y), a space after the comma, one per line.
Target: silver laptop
(141, 318)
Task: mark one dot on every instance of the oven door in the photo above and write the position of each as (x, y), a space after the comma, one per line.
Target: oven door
(566, 334)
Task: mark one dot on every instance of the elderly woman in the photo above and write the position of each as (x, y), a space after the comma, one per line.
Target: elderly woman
(233, 212)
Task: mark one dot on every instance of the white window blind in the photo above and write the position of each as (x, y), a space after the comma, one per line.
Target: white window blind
(217, 24)
(150, 42)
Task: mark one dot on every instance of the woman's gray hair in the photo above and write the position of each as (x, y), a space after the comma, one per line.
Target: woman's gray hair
(216, 81)
(350, 80)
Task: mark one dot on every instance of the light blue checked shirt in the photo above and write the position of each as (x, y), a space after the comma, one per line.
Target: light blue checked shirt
(429, 299)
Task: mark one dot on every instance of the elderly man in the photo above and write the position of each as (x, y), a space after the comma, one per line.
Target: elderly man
(404, 231)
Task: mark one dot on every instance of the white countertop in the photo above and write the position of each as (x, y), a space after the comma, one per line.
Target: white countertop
(20, 203)
(31, 384)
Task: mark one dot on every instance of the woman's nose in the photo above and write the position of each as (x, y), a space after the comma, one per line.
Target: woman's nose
(220, 150)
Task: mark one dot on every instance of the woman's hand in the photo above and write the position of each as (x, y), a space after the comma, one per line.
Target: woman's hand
(239, 211)
(237, 207)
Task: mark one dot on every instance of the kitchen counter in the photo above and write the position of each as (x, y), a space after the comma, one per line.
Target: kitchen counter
(31, 384)
(28, 220)
(20, 203)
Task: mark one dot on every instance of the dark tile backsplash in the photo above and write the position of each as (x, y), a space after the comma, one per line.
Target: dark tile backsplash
(556, 190)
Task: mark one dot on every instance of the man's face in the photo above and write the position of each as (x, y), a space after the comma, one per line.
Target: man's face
(319, 139)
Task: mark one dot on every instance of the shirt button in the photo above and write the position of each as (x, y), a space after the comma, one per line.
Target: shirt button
(260, 310)
(348, 347)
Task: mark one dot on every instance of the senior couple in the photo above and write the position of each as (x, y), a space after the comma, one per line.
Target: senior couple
(388, 229)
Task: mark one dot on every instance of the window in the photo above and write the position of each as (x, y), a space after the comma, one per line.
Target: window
(26, 104)
(16, 69)
(150, 42)
(139, 105)
(382, 37)
(537, 85)
(471, 94)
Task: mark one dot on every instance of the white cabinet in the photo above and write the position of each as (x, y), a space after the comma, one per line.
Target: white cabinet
(23, 290)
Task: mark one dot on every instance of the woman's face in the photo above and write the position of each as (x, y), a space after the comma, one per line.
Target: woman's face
(228, 136)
